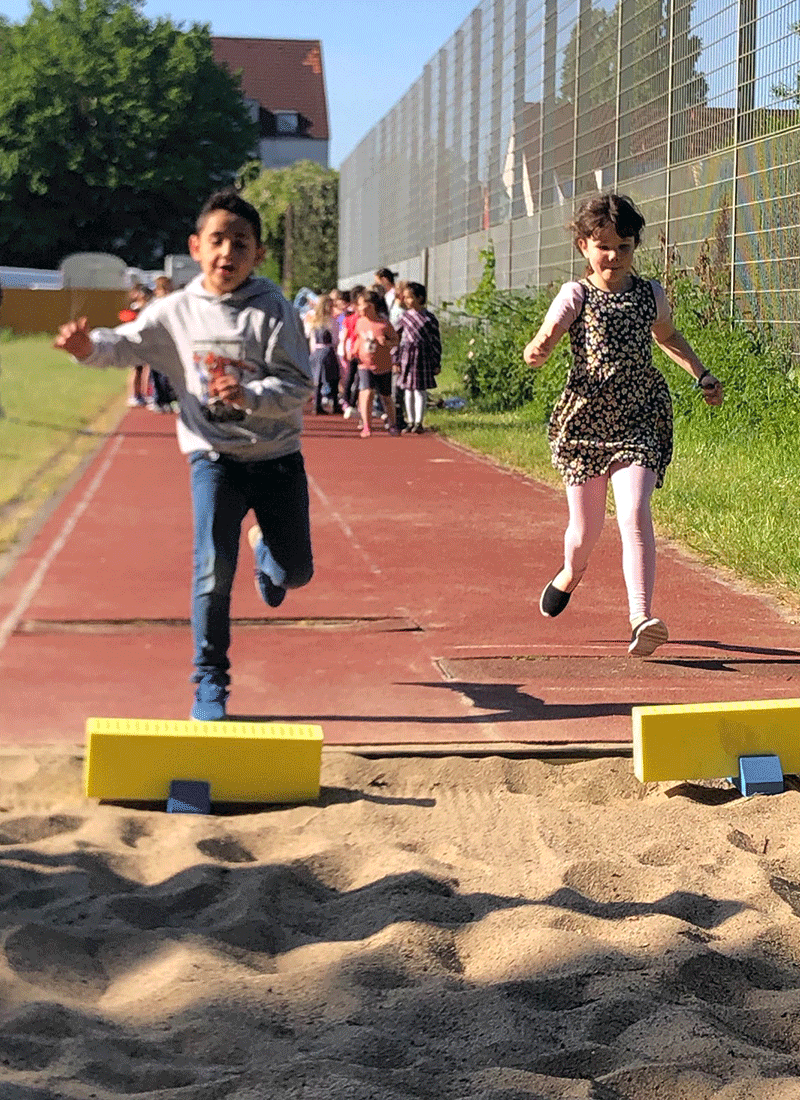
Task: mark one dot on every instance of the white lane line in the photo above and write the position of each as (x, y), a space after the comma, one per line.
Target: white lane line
(345, 527)
(12, 620)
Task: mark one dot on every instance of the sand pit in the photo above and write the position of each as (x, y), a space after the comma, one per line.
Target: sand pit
(432, 929)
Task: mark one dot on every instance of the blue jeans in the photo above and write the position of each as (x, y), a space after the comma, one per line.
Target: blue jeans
(223, 491)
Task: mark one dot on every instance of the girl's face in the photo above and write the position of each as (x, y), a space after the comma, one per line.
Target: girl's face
(366, 309)
(410, 300)
(609, 256)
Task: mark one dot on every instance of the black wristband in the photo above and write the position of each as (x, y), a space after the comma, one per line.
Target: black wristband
(699, 380)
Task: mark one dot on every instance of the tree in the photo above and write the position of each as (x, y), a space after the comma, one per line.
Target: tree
(647, 57)
(113, 131)
(299, 208)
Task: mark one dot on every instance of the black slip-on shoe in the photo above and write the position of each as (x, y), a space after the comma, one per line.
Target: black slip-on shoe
(553, 601)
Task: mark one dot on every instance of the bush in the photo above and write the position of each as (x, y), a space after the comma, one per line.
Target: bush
(500, 324)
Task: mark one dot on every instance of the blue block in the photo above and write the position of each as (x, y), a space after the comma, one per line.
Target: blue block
(189, 796)
(760, 775)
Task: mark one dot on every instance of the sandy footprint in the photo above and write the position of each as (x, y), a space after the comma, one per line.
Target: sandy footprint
(226, 849)
(720, 979)
(27, 830)
(132, 830)
(60, 962)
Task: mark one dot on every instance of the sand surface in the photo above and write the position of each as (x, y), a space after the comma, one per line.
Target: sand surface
(431, 928)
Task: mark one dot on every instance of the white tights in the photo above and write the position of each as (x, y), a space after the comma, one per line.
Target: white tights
(416, 402)
(633, 486)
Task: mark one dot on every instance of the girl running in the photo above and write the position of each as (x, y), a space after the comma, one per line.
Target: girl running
(613, 422)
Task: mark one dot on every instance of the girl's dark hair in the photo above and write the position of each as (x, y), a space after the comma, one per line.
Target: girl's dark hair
(614, 210)
(232, 201)
(376, 299)
(418, 290)
(356, 291)
(344, 295)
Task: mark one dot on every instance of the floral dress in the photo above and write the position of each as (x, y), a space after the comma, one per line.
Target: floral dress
(616, 405)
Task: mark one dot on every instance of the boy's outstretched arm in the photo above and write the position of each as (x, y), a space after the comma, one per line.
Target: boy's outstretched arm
(537, 351)
(73, 337)
(674, 344)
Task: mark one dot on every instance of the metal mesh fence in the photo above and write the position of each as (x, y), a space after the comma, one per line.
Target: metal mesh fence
(690, 106)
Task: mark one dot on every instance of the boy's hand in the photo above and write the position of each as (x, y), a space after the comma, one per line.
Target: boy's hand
(74, 338)
(229, 390)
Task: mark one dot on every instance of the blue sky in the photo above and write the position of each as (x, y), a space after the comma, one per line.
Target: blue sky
(372, 52)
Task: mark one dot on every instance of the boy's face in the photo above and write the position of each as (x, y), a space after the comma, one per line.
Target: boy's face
(226, 250)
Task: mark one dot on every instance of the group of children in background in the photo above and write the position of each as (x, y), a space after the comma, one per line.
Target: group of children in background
(147, 386)
(375, 343)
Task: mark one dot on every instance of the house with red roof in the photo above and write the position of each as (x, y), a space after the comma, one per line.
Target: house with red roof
(283, 82)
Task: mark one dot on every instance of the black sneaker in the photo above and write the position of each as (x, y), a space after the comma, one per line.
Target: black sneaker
(272, 594)
(553, 601)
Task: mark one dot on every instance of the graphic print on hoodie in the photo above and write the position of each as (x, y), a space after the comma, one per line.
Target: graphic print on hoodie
(192, 333)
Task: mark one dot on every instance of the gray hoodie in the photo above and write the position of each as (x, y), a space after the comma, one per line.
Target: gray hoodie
(252, 332)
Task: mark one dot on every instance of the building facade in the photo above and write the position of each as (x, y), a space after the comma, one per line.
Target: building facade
(692, 107)
(283, 83)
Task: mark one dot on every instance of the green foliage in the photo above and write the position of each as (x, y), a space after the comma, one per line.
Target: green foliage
(501, 324)
(753, 362)
(114, 129)
(299, 207)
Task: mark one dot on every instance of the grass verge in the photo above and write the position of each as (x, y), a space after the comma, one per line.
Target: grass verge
(55, 414)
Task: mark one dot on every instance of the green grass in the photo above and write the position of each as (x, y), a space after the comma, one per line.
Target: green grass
(55, 413)
(731, 495)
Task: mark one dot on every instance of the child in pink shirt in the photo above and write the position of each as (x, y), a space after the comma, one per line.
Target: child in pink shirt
(372, 345)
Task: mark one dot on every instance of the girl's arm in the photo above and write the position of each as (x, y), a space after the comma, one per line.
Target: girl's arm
(537, 351)
(564, 309)
(677, 347)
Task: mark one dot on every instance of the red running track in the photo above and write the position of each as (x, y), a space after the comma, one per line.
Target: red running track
(421, 626)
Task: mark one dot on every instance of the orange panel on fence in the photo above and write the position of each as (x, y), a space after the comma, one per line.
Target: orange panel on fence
(27, 311)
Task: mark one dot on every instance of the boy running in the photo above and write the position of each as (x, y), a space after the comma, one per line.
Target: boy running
(233, 349)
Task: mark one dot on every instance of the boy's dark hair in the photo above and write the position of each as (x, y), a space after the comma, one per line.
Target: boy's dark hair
(385, 273)
(617, 211)
(418, 290)
(344, 295)
(229, 199)
(355, 291)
